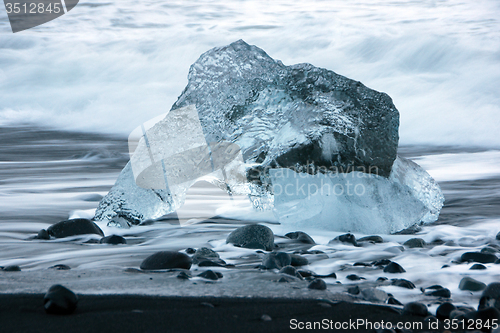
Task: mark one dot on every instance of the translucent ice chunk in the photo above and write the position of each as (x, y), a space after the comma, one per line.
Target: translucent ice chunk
(356, 202)
(421, 184)
(166, 160)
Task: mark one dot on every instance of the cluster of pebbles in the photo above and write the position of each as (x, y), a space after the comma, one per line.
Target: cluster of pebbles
(288, 259)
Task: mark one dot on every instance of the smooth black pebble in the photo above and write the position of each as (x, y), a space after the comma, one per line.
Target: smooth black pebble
(317, 284)
(59, 300)
(74, 227)
(254, 236)
(394, 267)
(415, 309)
(301, 236)
(166, 260)
(113, 240)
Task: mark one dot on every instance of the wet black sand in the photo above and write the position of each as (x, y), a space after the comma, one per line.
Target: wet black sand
(126, 313)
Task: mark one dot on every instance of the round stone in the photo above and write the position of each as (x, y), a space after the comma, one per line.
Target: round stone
(113, 240)
(415, 309)
(468, 283)
(74, 227)
(414, 242)
(317, 284)
(166, 260)
(253, 236)
(60, 300)
(300, 236)
(394, 267)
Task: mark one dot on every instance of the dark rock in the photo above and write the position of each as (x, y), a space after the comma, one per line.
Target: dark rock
(12, 268)
(437, 241)
(354, 290)
(445, 266)
(317, 284)
(298, 260)
(314, 252)
(457, 315)
(498, 236)
(74, 227)
(443, 311)
(285, 279)
(465, 308)
(305, 273)
(301, 237)
(210, 275)
(210, 263)
(113, 240)
(373, 239)
(207, 257)
(290, 270)
(414, 242)
(276, 260)
(253, 236)
(489, 250)
(490, 296)
(490, 314)
(402, 283)
(415, 309)
(394, 267)
(374, 295)
(443, 292)
(205, 253)
(477, 267)
(345, 238)
(43, 234)
(435, 287)
(190, 250)
(382, 279)
(166, 260)
(331, 275)
(381, 262)
(470, 284)
(60, 267)
(363, 264)
(484, 258)
(354, 277)
(60, 300)
(392, 300)
(183, 276)
(266, 317)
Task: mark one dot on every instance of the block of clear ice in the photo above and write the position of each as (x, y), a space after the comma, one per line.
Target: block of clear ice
(244, 117)
(356, 202)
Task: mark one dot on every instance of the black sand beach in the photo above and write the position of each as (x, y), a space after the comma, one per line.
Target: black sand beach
(120, 313)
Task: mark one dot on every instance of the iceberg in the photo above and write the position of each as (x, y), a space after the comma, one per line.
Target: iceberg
(251, 126)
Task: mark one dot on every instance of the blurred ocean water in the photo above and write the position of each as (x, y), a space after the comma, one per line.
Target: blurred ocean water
(109, 66)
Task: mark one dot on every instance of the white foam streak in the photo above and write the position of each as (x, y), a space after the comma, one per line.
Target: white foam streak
(462, 166)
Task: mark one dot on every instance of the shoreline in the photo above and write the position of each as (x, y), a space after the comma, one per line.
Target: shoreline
(140, 313)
